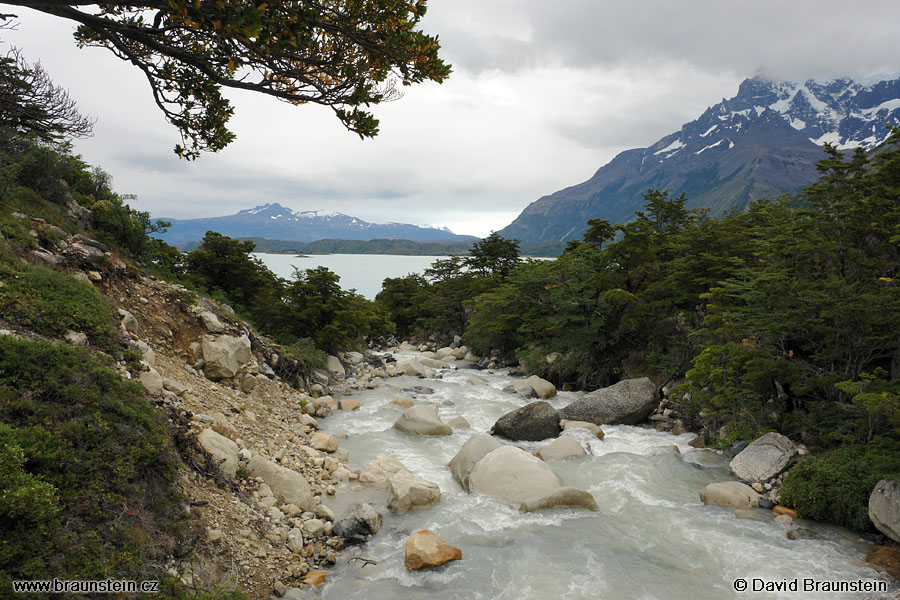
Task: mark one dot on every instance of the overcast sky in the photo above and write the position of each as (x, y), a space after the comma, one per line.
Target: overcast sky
(542, 94)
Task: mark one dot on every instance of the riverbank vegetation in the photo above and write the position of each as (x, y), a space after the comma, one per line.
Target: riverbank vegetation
(783, 317)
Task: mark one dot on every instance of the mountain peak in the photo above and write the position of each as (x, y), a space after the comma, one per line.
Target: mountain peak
(274, 221)
(764, 141)
(269, 207)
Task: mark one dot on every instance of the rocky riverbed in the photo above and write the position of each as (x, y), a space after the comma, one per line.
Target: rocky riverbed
(649, 537)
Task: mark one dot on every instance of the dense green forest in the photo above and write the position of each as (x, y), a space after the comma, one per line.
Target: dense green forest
(381, 246)
(782, 317)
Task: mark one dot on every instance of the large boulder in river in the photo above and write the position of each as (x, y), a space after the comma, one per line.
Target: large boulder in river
(411, 367)
(517, 478)
(477, 447)
(570, 425)
(225, 355)
(422, 419)
(628, 402)
(532, 422)
(564, 496)
(884, 508)
(424, 550)
(406, 490)
(733, 494)
(767, 457)
(564, 446)
(542, 388)
(432, 363)
(290, 487)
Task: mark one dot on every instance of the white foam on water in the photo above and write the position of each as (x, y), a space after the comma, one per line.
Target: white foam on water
(651, 538)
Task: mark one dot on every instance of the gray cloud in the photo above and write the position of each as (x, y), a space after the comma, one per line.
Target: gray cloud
(542, 95)
(797, 39)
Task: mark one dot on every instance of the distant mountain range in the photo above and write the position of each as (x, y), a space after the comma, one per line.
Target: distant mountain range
(276, 222)
(764, 141)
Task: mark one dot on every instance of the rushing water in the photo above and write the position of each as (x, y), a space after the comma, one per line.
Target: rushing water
(650, 539)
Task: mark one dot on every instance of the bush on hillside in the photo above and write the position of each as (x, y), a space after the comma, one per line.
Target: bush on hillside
(52, 303)
(87, 471)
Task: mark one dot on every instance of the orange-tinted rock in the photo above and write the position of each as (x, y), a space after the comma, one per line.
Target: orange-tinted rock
(885, 559)
(425, 550)
(784, 510)
(314, 578)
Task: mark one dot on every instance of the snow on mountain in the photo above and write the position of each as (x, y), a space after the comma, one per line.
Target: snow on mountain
(274, 221)
(764, 141)
(841, 112)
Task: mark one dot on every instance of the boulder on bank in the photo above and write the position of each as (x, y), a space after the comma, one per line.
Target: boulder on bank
(476, 448)
(884, 508)
(767, 457)
(221, 449)
(336, 368)
(424, 550)
(517, 478)
(732, 494)
(358, 523)
(211, 322)
(288, 486)
(532, 422)
(542, 388)
(354, 358)
(628, 402)
(562, 447)
(224, 355)
(443, 352)
(422, 419)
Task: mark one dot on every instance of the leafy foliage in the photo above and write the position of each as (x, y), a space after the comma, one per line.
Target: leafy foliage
(311, 306)
(346, 55)
(30, 103)
(782, 317)
(441, 300)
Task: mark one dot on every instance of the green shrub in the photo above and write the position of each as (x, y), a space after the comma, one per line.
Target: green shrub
(52, 303)
(87, 468)
(171, 588)
(22, 495)
(835, 485)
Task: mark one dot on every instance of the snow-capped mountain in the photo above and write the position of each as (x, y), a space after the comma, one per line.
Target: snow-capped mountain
(277, 222)
(764, 141)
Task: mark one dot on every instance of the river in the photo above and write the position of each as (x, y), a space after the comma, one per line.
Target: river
(651, 538)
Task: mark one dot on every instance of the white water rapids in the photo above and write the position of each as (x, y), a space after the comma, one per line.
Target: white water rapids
(651, 538)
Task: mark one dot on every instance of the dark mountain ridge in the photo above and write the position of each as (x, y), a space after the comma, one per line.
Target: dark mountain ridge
(764, 141)
(274, 221)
